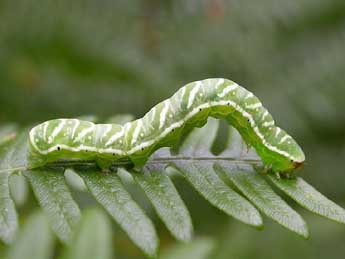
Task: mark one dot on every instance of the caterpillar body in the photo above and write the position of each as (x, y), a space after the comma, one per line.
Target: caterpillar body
(190, 106)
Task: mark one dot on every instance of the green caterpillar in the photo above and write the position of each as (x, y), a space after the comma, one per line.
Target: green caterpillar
(163, 125)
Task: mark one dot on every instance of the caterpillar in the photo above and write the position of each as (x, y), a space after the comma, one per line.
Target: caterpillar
(163, 125)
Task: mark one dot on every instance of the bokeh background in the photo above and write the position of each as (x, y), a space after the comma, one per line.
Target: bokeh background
(71, 58)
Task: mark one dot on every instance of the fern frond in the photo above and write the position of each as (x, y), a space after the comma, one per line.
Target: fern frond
(233, 181)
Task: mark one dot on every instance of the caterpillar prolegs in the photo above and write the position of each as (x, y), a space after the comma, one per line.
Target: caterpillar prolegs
(190, 106)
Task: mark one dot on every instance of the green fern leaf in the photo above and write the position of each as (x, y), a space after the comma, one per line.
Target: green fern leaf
(35, 241)
(108, 190)
(257, 190)
(19, 189)
(167, 202)
(7, 133)
(55, 198)
(93, 238)
(307, 196)
(200, 248)
(8, 214)
(205, 180)
(11, 155)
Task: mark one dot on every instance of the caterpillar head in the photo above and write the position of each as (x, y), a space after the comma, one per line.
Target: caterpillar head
(290, 157)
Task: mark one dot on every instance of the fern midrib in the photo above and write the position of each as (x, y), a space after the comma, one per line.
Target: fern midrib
(160, 160)
(163, 160)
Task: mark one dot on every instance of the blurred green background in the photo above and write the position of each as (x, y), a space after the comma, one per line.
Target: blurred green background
(70, 58)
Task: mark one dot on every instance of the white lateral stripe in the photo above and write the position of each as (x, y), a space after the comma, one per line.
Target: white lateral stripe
(167, 130)
(111, 151)
(83, 133)
(80, 148)
(176, 125)
(193, 93)
(194, 111)
(227, 90)
(163, 115)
